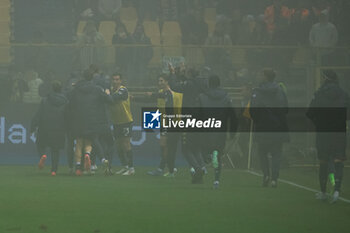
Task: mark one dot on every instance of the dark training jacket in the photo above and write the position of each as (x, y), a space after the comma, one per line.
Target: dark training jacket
(269, 108)
(215, 103)
(191, 89)
(50, 121)
(88, 110)
(330, 122)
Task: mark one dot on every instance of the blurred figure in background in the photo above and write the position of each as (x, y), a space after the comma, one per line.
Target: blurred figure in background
(323, 36)
(91, 43)
(109, 9)
(33, 80)
(277, 17)
(123, 54)
(141, 56)
(218, 57)
(194, 29)
(300, 24)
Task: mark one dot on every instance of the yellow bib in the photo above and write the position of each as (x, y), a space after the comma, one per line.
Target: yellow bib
(120, 111)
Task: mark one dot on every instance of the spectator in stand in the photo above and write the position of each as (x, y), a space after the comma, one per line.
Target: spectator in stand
(225, 7)
(300, 24)
(141, 55)
(109, 9)
(323, 36)
(122, 54)
(19, 87)
(235, 25)
(92, 50)
(341, 20)
(86, 9)
(320, 6)
(247, 31)
(277, 17)
(46, 87)
(32, 95)
(146, 10)
(168, 10)
(194, 29)
(218, 58)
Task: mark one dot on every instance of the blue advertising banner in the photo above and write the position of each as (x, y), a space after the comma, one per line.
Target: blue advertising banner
(17, 144)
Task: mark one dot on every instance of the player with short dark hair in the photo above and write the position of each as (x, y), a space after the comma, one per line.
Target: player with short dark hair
(122, 123)
(88, 112)
(168, 102)
(269, 107)
(216, 97)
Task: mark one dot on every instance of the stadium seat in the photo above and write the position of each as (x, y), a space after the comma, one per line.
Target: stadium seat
(171, 28)
(130, 25)
(194, 56)
(238, 56)
(5, 3)
(5, 13)
(210, 14)
(171, 37)
(128, 13)
(4, 38)
(107, 29)
(171, 34)
(211, 27)
(152, 31)
(301, 56)
(5, 54)
(4, 27)
(81, 26)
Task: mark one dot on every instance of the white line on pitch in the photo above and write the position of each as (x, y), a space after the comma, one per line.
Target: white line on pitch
(297, 185)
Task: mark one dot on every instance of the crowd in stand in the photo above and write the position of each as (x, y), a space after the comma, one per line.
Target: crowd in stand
(318, 24)
(244, 22)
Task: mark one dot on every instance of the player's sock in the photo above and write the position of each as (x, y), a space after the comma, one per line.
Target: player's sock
(323, 176)
(42, 161)
(129, 155)
(78, 169)
(339, 166)
(87, 161)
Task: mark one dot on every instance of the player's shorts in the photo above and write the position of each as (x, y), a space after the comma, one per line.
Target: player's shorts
(331, 146)
(122, 130)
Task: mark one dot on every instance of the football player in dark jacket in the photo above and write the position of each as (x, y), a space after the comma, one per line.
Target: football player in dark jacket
(49, 123)
(269, 108)
(328, 113)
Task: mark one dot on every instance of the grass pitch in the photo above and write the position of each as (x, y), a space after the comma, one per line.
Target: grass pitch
(33, 201)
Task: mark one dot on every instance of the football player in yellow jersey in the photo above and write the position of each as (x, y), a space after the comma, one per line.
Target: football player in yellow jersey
(169, 102)
(122, 120)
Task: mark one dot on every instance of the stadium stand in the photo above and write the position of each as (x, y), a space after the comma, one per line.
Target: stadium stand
(5, 32)
(171, 38)
(130, 25)
(107, 29)
(210, 19)
(209, 14)
(152, 31)
(128, 13)
(81, 26)
(238, 56)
